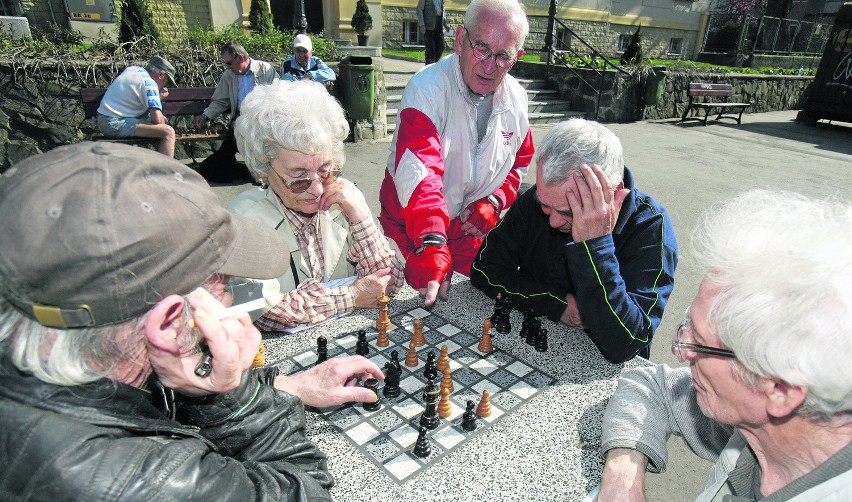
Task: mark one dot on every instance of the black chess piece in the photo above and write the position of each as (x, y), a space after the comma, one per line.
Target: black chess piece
(373, 385)
(469, 418)
(430, 369)
(541, 341)
(502, 322)
(392, 375)
(422, 448)
(529, 316)
(431, 395)
(322, 349)
(532, 332)
(498, 309)
(362, 347)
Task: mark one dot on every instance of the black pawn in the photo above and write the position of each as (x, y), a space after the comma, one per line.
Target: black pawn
(422, 448)
(498, 309)
(533, 332)
(322, 349)
(431, 395)
(529, 316)
(392, 375)
(503, 324)
(430, 370)
(469, 418)
(541, 341)
(362, 348)
(373, 385)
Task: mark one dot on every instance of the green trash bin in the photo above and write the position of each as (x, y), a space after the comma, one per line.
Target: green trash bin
(356, 86)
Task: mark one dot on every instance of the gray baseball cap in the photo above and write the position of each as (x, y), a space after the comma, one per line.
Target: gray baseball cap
(161, 63)
(96, 233)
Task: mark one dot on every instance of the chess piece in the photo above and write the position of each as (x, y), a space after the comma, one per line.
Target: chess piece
(429, 418)
(541, 341)
(411, 356)
(469, 418)
(383, 321)
(485, 344)
(418, 338)
(422, 448)
(259, 358)
(322, 349)
(445, 409)
(430, 371)
(447, 380)
(532, 333)
(443, 359)
(483, 409)
(500, 319)
(529, 316)
(498, 308)
(392, 375)
(373, 385)
(362, 348)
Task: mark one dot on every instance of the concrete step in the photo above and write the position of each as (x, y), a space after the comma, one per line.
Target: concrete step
(554, 105)
(548, 118)
(532, 83)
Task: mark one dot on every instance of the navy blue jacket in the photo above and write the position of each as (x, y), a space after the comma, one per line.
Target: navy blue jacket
(621, 281)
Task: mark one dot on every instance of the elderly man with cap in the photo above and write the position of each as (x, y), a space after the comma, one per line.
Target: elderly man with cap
(242, 75)
(131, 105)
(112, 277)
(304, 65)
(767, 394)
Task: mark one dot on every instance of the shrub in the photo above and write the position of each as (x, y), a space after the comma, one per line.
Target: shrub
(260, 18)
(136, 22)
(362, 21)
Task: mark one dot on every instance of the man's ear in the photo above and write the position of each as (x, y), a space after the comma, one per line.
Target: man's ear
(460, 31)
(164, 323)
(782, 398)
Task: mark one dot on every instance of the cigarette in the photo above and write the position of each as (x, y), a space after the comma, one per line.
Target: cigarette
(242, 308)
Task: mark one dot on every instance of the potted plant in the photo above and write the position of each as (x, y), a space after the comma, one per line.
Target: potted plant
(362, 21)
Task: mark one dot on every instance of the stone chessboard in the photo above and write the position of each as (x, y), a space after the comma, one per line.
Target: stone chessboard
(387, 436)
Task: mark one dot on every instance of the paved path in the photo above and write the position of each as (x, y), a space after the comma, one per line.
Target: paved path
(687, 168)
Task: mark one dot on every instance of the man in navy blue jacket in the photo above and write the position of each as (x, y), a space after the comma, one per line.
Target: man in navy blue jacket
(583, 246)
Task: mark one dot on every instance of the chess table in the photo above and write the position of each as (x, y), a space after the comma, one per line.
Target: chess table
(543, 447)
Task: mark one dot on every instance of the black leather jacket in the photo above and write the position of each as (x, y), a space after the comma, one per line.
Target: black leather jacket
(108, 441)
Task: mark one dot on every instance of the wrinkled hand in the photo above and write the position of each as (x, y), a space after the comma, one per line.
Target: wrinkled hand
(332, 383)
(430, 272)
(593, 203)
(345, 194)
(233, 343)
(623, 476)
(479, 217)
(164, 92)
(367, 289)
(199, 121)
(571, 316)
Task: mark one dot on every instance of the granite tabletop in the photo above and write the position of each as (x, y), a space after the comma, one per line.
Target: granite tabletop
(545, 449)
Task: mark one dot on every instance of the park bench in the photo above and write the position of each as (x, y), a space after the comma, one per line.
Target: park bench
(707, 92)
(181, 101)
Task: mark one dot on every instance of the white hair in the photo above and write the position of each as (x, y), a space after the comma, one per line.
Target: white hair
(511, 8)
(577, 141)
(782, 266)
(300, 116)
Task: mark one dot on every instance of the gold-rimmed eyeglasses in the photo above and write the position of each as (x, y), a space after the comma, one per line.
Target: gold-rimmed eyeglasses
(302, 184)
(484, 53)
(681, 348)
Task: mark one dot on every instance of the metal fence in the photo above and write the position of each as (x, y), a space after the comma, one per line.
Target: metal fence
(768, 35)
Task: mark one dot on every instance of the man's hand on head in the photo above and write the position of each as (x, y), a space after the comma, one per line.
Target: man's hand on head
(594, 204)
(332, 383)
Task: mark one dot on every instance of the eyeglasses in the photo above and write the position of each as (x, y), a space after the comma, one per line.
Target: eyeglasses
(302, 184)
(229, 64)
(681, 349)
(484, 53)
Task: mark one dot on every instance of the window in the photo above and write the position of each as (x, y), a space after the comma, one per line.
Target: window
(410, 33)
(623, 42)
(675, 45)
(562, 41)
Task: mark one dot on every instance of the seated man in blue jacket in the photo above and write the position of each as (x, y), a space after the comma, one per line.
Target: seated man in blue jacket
(584, 246)
(304, 65)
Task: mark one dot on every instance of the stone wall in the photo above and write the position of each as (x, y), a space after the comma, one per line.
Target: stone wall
(41, 106)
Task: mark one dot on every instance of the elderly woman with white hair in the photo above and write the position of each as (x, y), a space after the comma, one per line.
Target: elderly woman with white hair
(291, 135)
(767, 395)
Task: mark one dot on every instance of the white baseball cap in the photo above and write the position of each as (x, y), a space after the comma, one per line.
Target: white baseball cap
(303, 40)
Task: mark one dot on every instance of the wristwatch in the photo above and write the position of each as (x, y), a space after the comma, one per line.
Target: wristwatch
(495, 201)
(428, 240)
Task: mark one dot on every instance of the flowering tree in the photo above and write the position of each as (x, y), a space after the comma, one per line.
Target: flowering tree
(740, 11)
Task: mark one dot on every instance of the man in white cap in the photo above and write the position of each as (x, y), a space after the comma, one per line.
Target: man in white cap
(304, 65)
(131, 105)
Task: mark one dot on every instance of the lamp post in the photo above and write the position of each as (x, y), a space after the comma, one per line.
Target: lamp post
(300, 21)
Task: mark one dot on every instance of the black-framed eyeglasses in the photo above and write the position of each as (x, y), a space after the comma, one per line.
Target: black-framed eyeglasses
(680, 348)
(302, 184)
(484, 53)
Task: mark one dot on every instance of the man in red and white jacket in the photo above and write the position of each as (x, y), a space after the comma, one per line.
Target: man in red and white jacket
(461, 147)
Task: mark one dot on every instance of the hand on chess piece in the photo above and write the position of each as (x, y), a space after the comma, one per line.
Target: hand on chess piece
(200, 121)
(429, 268)
(368, 289)
(333, 382)
(571, 316)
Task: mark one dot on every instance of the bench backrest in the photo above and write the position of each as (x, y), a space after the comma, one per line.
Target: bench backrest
(713, 90)
(180, 101)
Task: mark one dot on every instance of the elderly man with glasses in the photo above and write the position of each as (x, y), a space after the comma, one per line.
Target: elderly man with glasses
(242, 75)
(768, 340)
(461, 147)
(323, 218)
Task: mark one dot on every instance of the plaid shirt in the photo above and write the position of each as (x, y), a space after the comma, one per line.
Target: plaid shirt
(311, 302)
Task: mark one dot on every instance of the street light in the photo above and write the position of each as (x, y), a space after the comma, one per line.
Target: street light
(299, 19)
